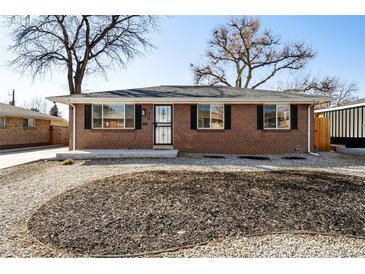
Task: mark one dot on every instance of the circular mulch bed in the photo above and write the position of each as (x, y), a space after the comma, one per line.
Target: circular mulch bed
(152, 211)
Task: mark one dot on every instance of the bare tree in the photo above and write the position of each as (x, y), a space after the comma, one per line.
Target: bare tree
(80, 44)
(242, 48)
(327, 86)
(38, 103)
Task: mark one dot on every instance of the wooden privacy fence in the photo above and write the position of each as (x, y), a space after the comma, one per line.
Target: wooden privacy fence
(58, 135)
(322, 139)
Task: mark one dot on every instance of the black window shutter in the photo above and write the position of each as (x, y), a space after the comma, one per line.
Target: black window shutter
(294, 116)
(87, 117)
(138, 116)
(227, 116)
(193, 110)
(260, 117)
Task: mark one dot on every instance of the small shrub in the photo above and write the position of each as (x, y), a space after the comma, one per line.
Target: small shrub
(68, 162)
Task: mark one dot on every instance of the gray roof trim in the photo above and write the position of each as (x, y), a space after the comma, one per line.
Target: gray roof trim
(181, 101)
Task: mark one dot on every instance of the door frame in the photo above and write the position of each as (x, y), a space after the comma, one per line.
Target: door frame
(154, 124)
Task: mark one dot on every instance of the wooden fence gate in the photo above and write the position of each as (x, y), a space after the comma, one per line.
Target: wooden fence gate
(322, 139)
(58, 135)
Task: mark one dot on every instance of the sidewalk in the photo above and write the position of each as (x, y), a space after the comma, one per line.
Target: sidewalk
(16, 157)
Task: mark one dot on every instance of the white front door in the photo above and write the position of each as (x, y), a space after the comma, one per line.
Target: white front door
(163, 125)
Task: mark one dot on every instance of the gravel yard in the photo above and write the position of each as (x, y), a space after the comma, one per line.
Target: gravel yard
(25, 188)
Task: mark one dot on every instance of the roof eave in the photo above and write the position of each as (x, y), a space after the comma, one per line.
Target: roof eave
(88, 100)
(31, 116)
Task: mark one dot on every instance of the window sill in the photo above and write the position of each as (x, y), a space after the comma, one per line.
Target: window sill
(211, 129)
(277, 130)
(29, 127)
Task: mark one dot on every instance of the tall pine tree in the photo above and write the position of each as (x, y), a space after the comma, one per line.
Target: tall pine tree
(54, 111)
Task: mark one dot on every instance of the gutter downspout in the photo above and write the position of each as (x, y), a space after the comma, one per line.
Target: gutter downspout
(73, 126)
(309, 130)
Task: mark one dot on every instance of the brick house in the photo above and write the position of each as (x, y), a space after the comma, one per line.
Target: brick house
(20, 127)
(192, 119)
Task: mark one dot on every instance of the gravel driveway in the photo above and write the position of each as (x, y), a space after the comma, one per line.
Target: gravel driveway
(24, 188)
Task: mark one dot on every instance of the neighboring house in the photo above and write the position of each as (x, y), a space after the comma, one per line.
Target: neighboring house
(20, 127)
(192, 119)
(347, 123)
(59, 122)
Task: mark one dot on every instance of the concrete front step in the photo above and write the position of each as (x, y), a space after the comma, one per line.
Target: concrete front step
(85, 154)
(161, 147)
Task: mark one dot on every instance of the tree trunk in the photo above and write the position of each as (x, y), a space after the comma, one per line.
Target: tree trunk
(79, 76)
(249, 76)
(239, 82)
(239, 75)
(78, 85)
(70, 82)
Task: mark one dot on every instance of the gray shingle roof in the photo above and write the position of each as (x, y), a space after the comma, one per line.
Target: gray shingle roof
(189, 92)
(13, 111)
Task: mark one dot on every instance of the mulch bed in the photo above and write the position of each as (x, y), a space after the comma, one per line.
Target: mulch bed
(251, 157)
(214, 156)
(146, 212)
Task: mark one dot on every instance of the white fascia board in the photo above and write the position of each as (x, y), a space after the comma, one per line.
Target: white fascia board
(339, 108)
(26, 116)
(85, 100)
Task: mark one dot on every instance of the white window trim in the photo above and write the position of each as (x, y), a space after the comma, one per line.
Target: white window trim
(102, 117)
(4, 121)
(276, 117)
(29, 124)
(210, 117)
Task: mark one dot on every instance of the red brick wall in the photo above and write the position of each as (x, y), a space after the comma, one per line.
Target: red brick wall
(112, 138)
(14, 135)
(242, 138)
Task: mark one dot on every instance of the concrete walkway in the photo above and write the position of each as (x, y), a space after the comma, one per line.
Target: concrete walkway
(13, 158)
(116, 153)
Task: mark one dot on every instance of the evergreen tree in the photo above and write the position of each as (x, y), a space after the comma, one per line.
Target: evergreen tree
(54, 111)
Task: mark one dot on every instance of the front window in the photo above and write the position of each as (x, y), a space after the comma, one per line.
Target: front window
(97, 116)
(276, 116)
(210, 116)
(113, 116)
(29, 122)
(2, 121)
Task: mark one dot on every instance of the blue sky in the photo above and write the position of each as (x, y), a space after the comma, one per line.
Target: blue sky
(338, 40)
